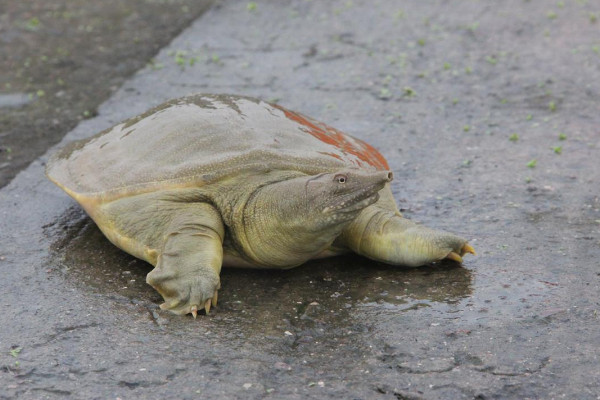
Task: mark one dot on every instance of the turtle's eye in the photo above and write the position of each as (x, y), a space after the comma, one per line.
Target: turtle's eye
(340, 178)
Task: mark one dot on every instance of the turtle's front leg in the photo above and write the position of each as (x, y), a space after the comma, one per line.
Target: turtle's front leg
(188, 266)
(386, 236)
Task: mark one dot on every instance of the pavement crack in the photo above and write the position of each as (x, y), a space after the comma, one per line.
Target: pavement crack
(492, 370)
(64, 330)
(54, 391)
(143, 384)
(409, 370)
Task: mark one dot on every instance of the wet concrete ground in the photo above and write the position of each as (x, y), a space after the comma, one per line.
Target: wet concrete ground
(62, 58)
(488, 116)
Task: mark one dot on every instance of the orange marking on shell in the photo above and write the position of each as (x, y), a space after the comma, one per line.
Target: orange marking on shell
(331, 155)
(364, 151)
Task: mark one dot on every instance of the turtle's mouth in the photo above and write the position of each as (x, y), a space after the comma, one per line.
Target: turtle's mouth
(355, 201)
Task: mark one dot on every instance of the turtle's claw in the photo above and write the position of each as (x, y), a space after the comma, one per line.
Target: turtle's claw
(454, 257)
(467, 248)
(215, 298)
(194, 311)
(457, 256)
(207, 306)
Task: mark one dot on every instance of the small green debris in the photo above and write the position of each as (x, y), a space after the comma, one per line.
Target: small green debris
(409, 92)
(552, 106)
(468, 70)
(467, 163)
(33, 24)
(557, 149)
(593, 18)
(87, 114)
(560, 4)
(40, 93)
(154, 65)
(15, 352)
(454, 101)
(529, 117)
(385, 94)
(562, 136)
(180, 58)
(532, 163)
(466, 128)
(215, 58)
(596, 49)
(503, 101)
(447, 65)
(528, 179)
(491, 60)
(551, 15)
(473, 26)
(421, 42)
(399, 15)
(514, 137)
(251, 6)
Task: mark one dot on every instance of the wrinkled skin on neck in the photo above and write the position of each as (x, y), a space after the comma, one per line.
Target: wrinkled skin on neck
(289, 222)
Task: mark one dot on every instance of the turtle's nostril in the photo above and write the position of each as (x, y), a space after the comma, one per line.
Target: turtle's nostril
(390, 176)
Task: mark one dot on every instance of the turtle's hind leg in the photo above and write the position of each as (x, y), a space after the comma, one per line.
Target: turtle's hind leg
(386, 236)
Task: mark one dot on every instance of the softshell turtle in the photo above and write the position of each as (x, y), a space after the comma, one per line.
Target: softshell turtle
(210, 180)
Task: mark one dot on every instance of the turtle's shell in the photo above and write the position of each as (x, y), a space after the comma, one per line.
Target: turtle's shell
(197, 140)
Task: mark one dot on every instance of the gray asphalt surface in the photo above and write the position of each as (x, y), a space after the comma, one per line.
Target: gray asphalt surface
(489, 117)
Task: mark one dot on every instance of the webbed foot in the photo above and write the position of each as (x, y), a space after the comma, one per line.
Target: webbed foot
(186, 295)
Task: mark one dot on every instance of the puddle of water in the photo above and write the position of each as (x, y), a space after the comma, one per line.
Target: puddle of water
(326, 290)
(14, 100)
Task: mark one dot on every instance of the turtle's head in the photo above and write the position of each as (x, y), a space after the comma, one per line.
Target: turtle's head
(339, 197)
(291, 221)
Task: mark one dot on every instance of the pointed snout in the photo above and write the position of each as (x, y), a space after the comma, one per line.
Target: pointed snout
(382, 177)
(372, 182)
(378, 179)
(388, 176)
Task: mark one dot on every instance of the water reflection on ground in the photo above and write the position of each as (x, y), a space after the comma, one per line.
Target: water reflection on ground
(321, 293)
